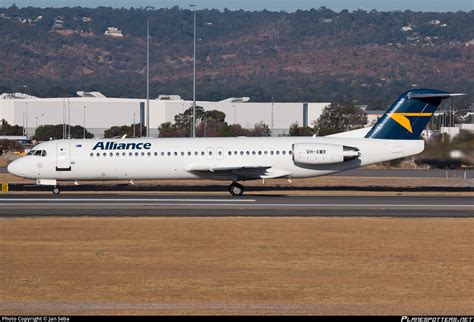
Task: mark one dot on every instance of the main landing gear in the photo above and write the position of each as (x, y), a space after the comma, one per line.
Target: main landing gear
(56, 190)
(236, 189)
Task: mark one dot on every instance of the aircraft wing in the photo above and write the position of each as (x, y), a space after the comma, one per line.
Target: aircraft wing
(240, 171)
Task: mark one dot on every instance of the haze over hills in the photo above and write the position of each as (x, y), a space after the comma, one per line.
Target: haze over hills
(315, 55)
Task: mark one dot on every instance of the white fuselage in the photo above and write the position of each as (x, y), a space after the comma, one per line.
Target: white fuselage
(190, 158)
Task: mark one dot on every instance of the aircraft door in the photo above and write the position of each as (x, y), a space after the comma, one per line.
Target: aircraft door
(63, 156)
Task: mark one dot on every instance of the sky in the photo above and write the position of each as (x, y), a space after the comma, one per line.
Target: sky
(272, 5)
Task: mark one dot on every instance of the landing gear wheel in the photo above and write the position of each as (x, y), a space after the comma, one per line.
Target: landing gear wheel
(236, 189)
(56, 190)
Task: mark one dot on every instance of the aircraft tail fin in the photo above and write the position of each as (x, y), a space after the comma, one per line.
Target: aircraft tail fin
(409, 115)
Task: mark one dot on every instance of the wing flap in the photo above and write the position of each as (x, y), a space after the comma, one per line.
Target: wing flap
(240, 171)
(227, 168)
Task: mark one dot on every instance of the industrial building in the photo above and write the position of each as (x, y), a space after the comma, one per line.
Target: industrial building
(98, 113)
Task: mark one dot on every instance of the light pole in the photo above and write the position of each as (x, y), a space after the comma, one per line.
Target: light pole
(24, 131)
(148, 72)
(271, 131)
(134, 124)
(26, 119)
(235, 114)
(42, 114)
(84, 122)
(69, 118)
(194, 73)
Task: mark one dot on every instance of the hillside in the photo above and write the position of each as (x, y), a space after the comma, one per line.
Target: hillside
(315, 55)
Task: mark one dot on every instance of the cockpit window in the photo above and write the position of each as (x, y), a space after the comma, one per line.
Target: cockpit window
(38, 153)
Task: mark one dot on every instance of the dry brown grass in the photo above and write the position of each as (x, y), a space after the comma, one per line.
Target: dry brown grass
(236, 266)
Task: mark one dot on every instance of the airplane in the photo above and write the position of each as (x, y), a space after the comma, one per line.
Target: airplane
(395, 135)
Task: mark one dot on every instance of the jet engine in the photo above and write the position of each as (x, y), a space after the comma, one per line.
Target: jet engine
(313, 153)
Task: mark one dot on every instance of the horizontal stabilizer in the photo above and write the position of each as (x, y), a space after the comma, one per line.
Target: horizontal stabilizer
(434, 95)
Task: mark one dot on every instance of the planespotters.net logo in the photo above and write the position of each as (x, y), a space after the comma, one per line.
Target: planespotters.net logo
(437, 319)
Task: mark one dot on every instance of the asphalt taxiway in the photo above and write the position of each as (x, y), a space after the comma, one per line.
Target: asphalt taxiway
(109, 205)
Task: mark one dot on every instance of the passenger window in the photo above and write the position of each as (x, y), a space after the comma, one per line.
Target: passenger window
(290, 153)
(284, 152)
(271, 152)
(124, 153)
(176, 153)
(203, 153)
(104, 154)
(117, 154)
(229, 153)
(169, 153)
(143, 154)
(111, 154)
(92, 154)
(278, 152)
(130, 154)
(98, 154)
(196, 153)
(182, 154)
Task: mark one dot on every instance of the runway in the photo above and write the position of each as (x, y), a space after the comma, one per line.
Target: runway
(109, 205)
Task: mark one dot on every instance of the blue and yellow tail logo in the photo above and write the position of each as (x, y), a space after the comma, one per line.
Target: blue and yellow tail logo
(408, 115)
(404, 119)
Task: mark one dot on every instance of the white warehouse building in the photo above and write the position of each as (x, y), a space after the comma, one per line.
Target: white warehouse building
(98, 113)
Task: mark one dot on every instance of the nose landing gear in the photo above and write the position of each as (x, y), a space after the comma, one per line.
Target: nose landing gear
(236, 189)
(56, 190)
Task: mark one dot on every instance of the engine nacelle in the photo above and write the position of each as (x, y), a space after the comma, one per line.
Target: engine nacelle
(314, 153)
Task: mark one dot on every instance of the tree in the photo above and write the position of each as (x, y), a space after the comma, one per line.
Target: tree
(296, 130)
(115, 131)
(208, 123)
(7, 129)
(212, 124)
(47, 132)
(261, 129)
(235, 130)
(169, 130)
(340, 117)
(183, 121)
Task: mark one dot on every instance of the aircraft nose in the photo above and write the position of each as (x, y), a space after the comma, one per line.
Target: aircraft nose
(15, 168)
